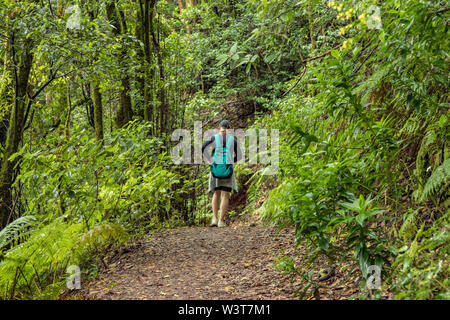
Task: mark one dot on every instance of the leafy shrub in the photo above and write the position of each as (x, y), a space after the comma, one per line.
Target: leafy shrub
(84, 197)
(29, 267)
(357, 123)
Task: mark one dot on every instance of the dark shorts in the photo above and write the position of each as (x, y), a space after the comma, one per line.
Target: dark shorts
(228, 189)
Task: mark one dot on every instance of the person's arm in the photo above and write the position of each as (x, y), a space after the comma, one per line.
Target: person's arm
(204, 146)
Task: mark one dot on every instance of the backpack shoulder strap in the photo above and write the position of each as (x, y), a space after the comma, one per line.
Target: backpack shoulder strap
(217, 149)
(229, 142)
(217, 139)
(228, 148)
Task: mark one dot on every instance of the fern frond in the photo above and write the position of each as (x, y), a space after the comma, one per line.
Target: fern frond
(437, 181)
(372, 82)
(15, 230)
(44, 255)
(110, 231)
(412, 126)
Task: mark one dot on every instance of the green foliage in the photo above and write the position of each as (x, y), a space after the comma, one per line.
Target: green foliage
(83, 199)
(110, 231)
(126, 181)
(33, 268)
(365, 242)
(437, 182)
(356, 123)
(431, 169)
(29, 267)
(361, 110)
(421, 269)
(16, 231)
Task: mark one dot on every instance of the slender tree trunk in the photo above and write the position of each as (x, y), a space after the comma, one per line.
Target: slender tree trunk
(311, 27)
(181, 7)
(192, 4)
(125, 103)
(140, 77)
(163, 109)
(21, 71)
(98, 110)
(117, 20)
(5, 96)
(94, 91)
(69, 112)
(145, 7)
(86, 91)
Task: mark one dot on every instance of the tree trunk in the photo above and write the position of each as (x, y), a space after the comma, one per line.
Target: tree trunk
(181, 7)
(69, 112)
(139, 76)
(145, 15)
(98, 110)
(86, 91)
(94, 91)
(163, 109)
(5, 97)
(117, 20)
(21, 73)
(311, 28)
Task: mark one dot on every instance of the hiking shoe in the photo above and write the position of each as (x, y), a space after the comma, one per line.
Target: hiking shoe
(221, 224)
(213, 222)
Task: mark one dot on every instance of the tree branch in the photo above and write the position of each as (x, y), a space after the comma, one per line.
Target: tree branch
(321, 55)
(297, 82)
(304, 64)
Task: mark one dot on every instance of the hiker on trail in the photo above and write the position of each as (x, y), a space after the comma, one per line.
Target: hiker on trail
(222, 179)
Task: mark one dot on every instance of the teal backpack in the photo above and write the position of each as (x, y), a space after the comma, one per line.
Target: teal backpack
(222, 163)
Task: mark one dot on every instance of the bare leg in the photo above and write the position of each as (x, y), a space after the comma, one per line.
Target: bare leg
(224, 204)
(215, 203)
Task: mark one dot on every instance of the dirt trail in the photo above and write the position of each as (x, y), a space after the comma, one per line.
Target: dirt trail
(235, 262)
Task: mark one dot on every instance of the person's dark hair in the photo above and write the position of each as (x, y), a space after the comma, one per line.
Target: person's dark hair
(225, 124)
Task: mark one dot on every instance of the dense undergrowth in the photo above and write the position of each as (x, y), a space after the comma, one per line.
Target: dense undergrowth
(364, 159)
(83, 198)
(358, 94)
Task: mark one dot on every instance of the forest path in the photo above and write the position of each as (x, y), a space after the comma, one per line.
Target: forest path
(235, 262)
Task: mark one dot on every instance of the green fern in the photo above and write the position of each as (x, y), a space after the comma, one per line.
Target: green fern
(109, 231)
(412, 126)
(39, 260)
(373, 82)
(429, 156)
(16, 230)
(42, 259)
(437, 182)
